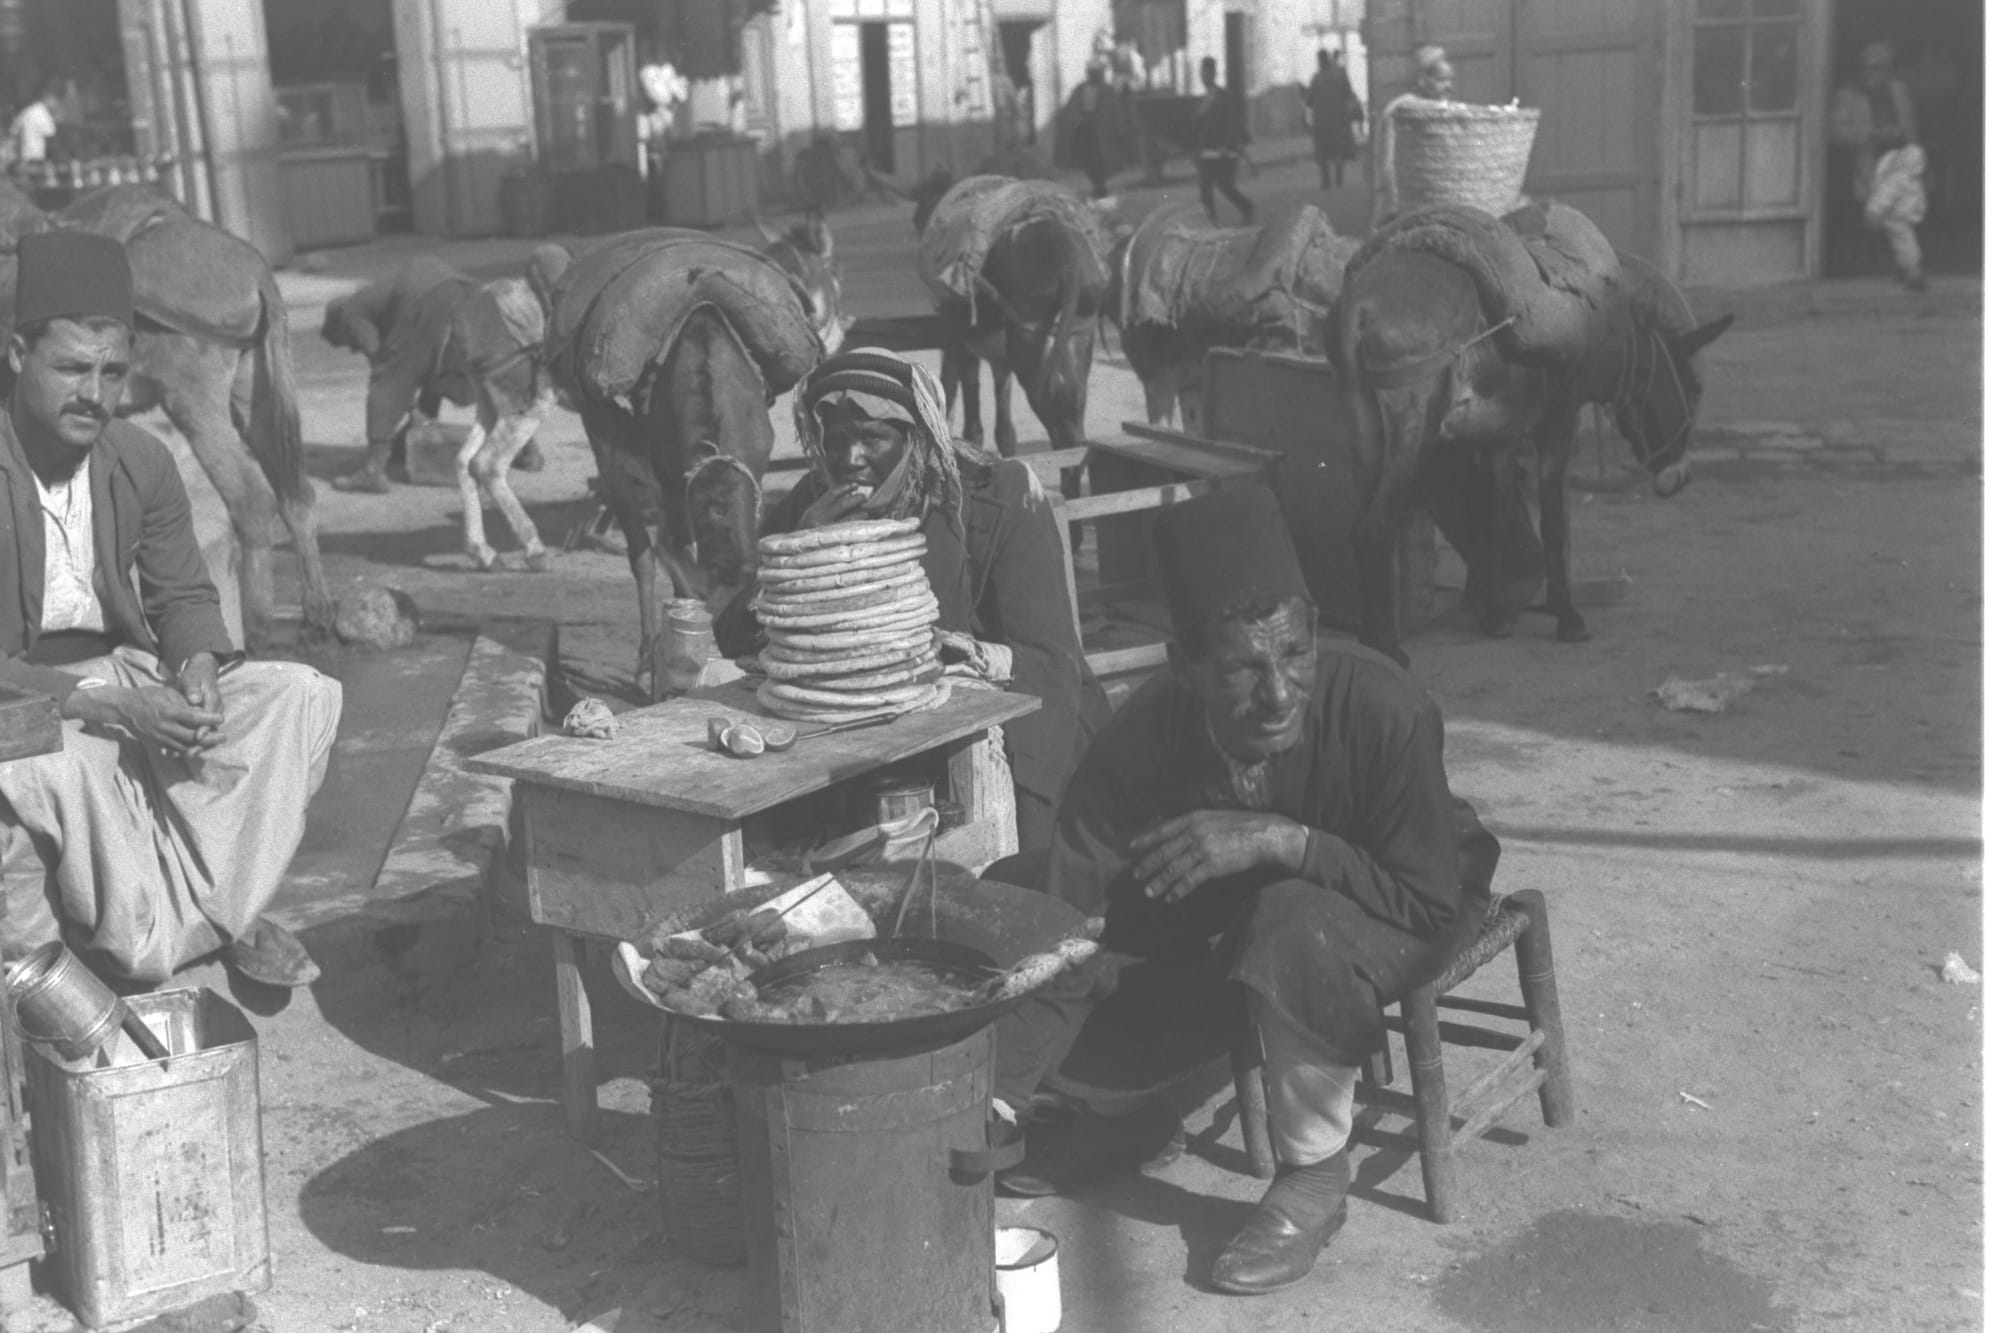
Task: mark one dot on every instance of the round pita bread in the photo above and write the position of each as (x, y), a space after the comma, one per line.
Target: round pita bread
(837, 534)
(871, 637)
(855, 604)
(787, 582)
(798, 712)
(814, 697)
(884, 664)
(914, 671)
(833, 661)
(783, 597)
(864, 556)
(917, 602)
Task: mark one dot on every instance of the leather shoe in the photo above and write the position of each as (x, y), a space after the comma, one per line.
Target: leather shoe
(272, 955)
(1281, 1242)
(1071, 1147)
(366, 480)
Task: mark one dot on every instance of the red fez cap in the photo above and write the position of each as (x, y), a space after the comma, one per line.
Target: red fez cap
(1223, 550)
(72, 275)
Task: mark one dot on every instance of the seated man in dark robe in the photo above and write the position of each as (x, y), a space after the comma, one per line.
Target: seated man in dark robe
(1274, 811)
(873, 425)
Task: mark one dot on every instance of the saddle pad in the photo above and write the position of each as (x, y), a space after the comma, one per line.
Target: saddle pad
(1546, 269)
(619, 308)
(1274, 282)
(976, 212)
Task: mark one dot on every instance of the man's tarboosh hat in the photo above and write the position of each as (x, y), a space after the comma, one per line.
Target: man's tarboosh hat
(1221, 550)
(71, 275)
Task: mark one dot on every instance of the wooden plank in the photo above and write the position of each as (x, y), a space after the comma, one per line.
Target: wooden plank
(982, 782)
(661, 755)
(1048, 467)
(1133, 501)
(610, 868)
(579, 1042)
(30, 724)
(1115, 661)
(1195, 455)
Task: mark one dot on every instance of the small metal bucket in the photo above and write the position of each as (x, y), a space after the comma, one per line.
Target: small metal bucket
(896, 799)
(59, 1002)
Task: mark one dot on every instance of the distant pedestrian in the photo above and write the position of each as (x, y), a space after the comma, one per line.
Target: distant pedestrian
(1435, 81)
(1221, 133)
(1335, 112)
(1095, 124)
(34, 126)
(1877, 123)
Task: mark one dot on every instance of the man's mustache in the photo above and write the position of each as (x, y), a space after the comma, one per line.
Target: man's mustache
(89, 410)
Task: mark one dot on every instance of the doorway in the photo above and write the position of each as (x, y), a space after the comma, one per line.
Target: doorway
(878, 131)
(1017, 53)
(1235, 53)
(1938, 46)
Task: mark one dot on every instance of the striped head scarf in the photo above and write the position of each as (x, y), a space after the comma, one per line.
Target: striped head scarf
(881, 385)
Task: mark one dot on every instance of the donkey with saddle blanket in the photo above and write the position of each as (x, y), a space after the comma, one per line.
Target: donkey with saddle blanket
(1016, 268)
(212, 349)
(1464, 341)
(673, 345)
(1181, 285)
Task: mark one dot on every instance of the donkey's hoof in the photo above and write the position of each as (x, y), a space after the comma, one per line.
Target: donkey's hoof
(1572, 631)
(1498, 627)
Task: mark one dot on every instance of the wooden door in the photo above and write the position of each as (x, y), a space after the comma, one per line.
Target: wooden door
(1591, 66)
(467, 107)
(1478, 35)
(1747, 79)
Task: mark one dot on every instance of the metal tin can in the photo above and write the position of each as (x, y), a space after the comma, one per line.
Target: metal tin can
(899, 798)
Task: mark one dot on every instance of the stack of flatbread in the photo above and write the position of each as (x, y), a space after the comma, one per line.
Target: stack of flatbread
(847, 613)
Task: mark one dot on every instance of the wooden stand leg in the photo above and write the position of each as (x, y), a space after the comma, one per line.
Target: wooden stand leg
(1534, 955)
(579, 1050)
(17, 1291)
(1246, 1058)
(1426, 1057)
(980, 780)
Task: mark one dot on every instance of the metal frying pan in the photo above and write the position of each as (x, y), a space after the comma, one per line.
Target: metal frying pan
(813, 1039)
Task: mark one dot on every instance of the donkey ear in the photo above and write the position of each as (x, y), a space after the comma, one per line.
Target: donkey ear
(1695, 339)
(770, 234)
(822, 235)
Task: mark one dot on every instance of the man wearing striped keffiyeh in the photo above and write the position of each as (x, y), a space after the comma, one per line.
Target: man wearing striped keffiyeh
(873, 426)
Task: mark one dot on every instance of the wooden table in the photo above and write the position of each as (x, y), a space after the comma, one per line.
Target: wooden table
(624, 831)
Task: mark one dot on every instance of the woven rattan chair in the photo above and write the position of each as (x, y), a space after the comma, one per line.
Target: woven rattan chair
(1536, 1062)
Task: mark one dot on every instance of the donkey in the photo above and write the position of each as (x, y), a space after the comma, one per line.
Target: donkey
(1035, 314)
(1425, 378)
(805, 250)
(212, 349)
(681, 450)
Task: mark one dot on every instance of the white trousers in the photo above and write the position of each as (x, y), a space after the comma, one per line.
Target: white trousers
(1310, 1095)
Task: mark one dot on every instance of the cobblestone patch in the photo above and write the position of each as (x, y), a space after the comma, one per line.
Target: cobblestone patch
(1880, 448)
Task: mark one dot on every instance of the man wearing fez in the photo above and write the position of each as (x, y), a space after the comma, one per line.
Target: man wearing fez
(161, 829)
(1270, 811)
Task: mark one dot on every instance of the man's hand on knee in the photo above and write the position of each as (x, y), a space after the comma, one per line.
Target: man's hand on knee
(1180, 855)
(153, 713)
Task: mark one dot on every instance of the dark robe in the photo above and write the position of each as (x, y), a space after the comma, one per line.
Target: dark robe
(1395, 879)
(1334, 107)
(1004, 583)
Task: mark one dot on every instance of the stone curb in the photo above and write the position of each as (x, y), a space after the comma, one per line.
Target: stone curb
(1879, 449)
(426, 912)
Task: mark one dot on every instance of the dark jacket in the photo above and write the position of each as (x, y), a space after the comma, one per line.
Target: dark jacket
(1005, 584)
(1220, 125)
(1396, 874)
(143, 528)
(400, 324)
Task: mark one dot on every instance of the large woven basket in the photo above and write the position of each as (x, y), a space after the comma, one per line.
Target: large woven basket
(1461, 153)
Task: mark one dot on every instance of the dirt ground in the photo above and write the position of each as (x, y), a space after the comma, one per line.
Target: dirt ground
(1779, 1123)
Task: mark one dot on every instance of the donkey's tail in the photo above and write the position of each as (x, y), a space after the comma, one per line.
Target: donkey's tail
(275, 436)
(1342, 336)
